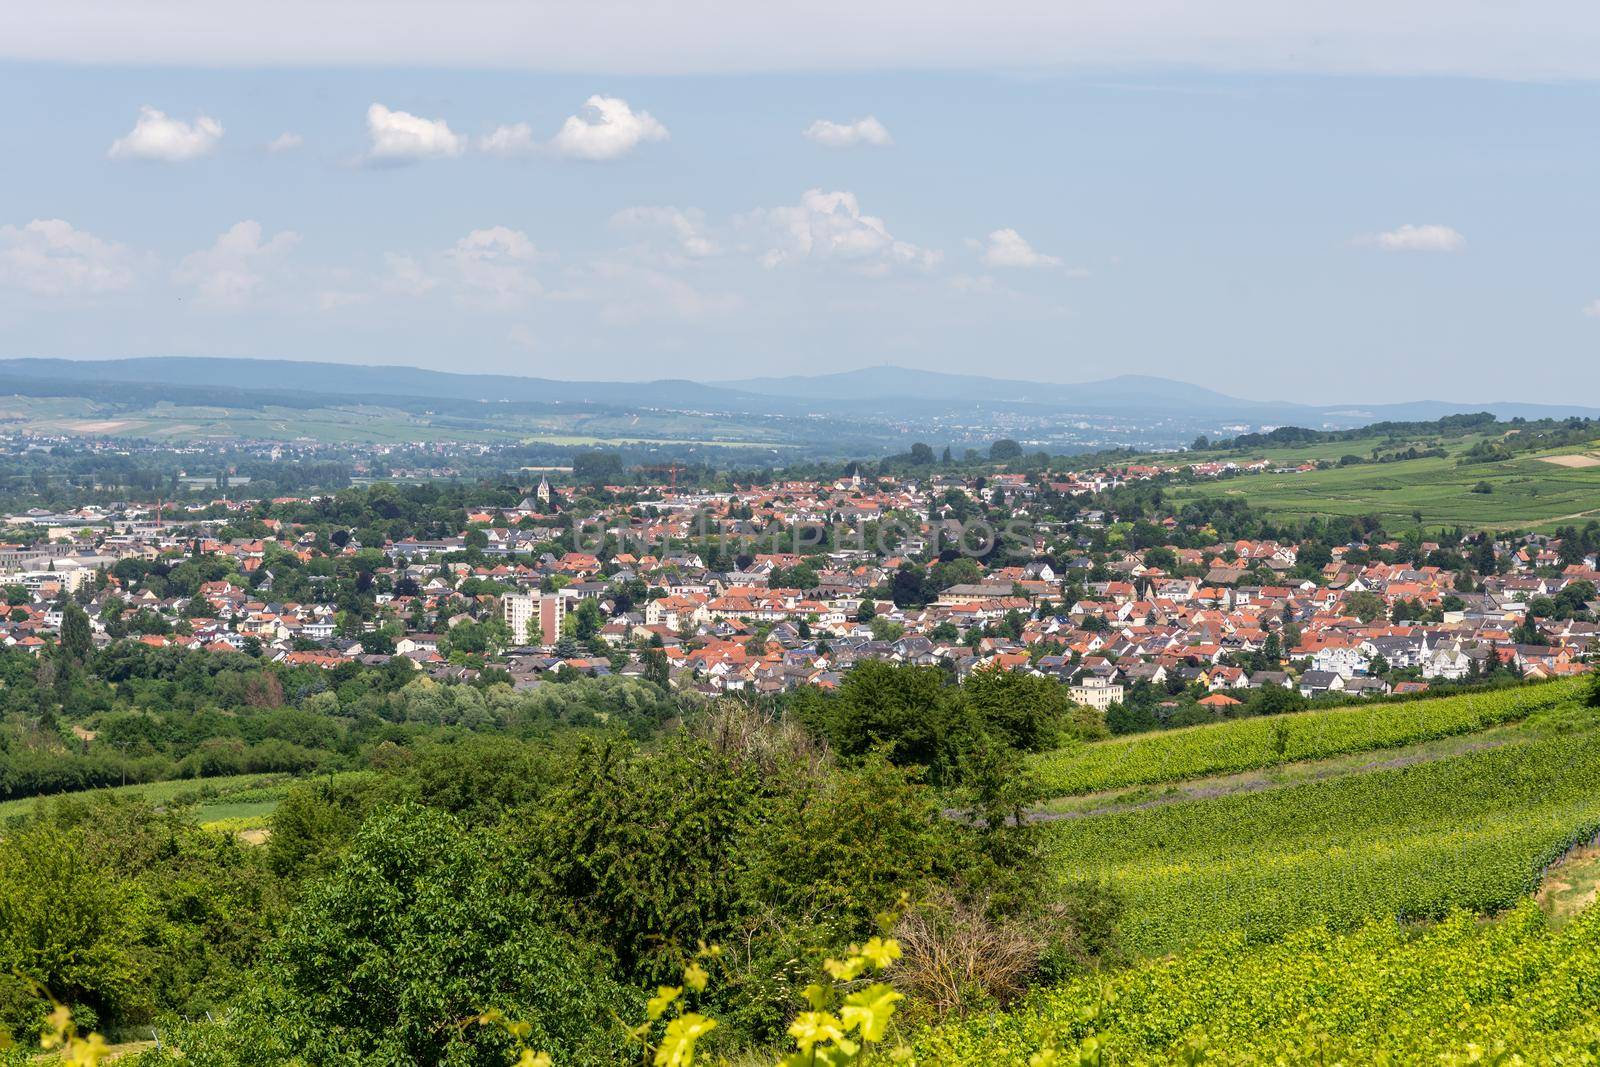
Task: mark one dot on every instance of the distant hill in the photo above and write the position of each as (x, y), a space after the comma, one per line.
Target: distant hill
(348, 379)
(1125, 391)
(883, 390)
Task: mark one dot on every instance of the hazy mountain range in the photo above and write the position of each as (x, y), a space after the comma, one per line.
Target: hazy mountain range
(882, 387)
(1134, 409)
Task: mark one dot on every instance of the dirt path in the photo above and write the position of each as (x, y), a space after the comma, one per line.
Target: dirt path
(1524, 524)
(1571, 883)
(1140, 798)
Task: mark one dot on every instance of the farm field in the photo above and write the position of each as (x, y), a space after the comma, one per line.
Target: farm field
(1331, 451)
(1379, 993)
(1250, 744)
(383, 424)
(231, 797)
(1526, 492)
(1452, 825)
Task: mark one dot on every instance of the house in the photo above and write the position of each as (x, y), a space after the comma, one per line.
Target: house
(1451, 664)
(1096, 693)
(1320, 683)
(1343, 660)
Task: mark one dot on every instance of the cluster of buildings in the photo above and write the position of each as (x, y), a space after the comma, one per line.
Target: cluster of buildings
(765, 589)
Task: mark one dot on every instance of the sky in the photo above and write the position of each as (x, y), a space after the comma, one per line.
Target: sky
(1317, 202)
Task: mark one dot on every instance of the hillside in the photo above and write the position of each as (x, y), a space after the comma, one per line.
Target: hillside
(844, 415)
(1539, 489)
(1246, 892)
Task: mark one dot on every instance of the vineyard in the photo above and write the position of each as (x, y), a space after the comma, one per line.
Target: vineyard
(1472, 830)
(1251, 744)
(1380, 993)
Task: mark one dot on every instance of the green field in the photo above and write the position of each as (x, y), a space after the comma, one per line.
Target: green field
(1431, 902)
(1527, 492)
(235, 796)
(1426, 828)
(379, 424)
(1379, 994)
(1251, 744)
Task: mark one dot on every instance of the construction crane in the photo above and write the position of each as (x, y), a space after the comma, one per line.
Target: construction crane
(671, 471)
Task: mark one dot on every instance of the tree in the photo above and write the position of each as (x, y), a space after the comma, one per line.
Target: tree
(1004, 450)
(66, 923)
(910, 587)
(1365, 606)
(1026, 711)
(656, 669)
(910, 710)
(76, 636)
(419, 928)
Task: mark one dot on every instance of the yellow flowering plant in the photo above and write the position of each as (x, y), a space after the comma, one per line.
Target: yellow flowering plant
(848, 1021)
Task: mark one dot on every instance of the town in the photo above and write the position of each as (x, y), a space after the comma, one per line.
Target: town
(1149, 619)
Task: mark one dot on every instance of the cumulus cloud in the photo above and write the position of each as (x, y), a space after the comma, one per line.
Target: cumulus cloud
(1008, 248)
(401, 137)
(157, 136)
(830, 227)
(513, 140)
(50, 257)
(607, 128)
(493, 267)
(285, 142)
(406, 276)
(867, 131)
(687, 227)
(231, 270)
(1430, 237)
(629, 292)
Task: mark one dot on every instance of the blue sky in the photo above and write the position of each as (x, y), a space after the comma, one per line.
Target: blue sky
(1328, 234)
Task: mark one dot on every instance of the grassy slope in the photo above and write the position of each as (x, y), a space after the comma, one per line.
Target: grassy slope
(1462, 991)
(1249, 744)
(1447, 824)
(1527, 491)
(215, 798)
(380, 424)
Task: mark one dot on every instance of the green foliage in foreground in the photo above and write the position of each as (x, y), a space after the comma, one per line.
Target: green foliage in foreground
(1382, 993)
(1250, 744)
(1470, 831)
(418, 931)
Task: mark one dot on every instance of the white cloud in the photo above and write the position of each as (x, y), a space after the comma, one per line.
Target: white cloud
(285, 142)
(522, 336)
(1008, 248)
(1592, 309)
(406, 276)
(830, 226)
(231, 270)
(630, 292)
(515, 140)
(157, 136)
(606, 129)
(1430, 237)
(686, 226)
(867, 131)
(494, 267)
(49, 257)
(401, 137)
